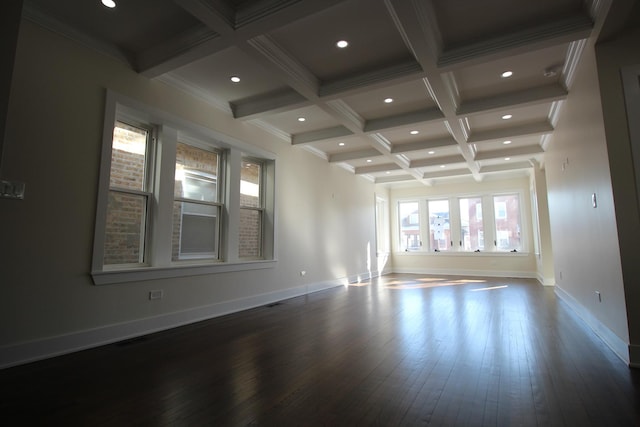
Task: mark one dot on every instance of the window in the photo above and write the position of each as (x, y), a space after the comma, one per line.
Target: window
(129, 197)
(471, 225)
(196, 207)
(439, 225)
(176, 199)
(251, 209)
(507, 222)
(409, 218)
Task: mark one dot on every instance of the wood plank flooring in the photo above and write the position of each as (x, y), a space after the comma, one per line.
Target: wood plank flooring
(401, 350)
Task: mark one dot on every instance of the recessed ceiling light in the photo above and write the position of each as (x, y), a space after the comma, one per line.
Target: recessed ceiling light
(414, 132)
(506, 74)
(388, 172)
(342, 44)
(369, 160)
(301, 119)
(507, 116)
(507, 158)
(235, 79)
(432, 152)
(388, 100)
(442, 166)
(507, 142)
(341, 144)
(109, 3)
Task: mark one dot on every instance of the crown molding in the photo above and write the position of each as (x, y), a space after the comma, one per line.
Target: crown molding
(276, 101)
(316, 152)
(195, 91)
(37, 16)
(348, 113)
(298, 76)
(382, 142)
(272, 130)
(574, 53)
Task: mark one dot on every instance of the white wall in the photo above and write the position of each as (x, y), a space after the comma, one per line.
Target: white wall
(325, 215)
(463, 263)
(585, 239)
(612, 57)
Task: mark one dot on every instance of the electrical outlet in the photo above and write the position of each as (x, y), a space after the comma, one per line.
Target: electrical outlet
(12, 190)
(599, 296)
(303, 273)
(156, 294)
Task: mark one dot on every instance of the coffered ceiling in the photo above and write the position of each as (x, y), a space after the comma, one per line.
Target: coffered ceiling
(439, 61)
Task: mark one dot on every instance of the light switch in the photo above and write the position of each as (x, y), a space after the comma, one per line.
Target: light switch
(594, 200)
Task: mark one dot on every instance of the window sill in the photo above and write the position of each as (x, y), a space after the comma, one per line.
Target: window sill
(463, 254)
(108, 277)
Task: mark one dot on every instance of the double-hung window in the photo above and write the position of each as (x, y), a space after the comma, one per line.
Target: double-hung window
(197, 204)
(507, 222)
(251, 209)
(462, 224)
(130, 195)
(176, 199)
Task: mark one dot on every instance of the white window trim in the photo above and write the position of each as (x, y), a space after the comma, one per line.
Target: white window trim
(159, 265)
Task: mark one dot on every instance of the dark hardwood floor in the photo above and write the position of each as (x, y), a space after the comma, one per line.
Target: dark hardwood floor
(400, 350)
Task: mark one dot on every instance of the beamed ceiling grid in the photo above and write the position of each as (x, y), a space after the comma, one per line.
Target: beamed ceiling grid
(418, 93)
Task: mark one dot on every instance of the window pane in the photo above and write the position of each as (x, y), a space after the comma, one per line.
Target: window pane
(196, 174)
(409, 216)
(250, 233)
(507, 214)
(250, 184)
(195, 231)
(439, 227)
(472, 230)
(128, 152)
(125, 228)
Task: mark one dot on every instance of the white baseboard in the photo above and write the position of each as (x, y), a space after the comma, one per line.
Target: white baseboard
(462, 272)
(617, 345)
(21, 353)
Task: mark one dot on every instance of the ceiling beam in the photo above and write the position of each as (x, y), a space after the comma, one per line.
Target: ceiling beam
(272, 102)
(353, 155)
(446, 173)
(390, 122)
(506, 167)
(436, 161)
(510, 152)
(320, 135)
(541, 36)
(427, 144)
(233, 27)
(528, 129)
(531, 96)
(376, 168)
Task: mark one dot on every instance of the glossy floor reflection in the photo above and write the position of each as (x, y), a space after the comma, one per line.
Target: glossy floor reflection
(398, 350)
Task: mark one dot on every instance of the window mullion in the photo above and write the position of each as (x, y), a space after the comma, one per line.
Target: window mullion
(231, 241)
(163, 197)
